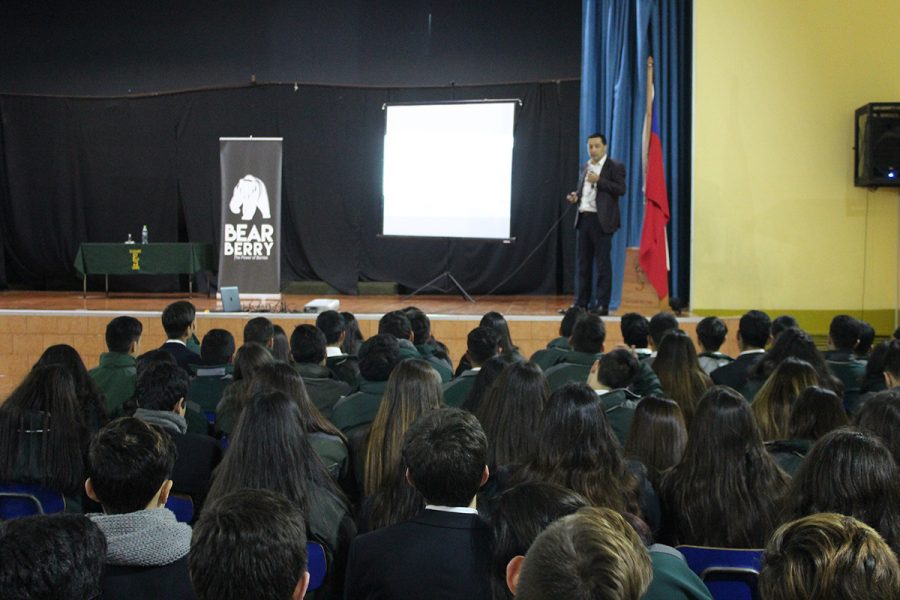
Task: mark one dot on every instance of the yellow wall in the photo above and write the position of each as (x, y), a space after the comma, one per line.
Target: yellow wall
(777, 223)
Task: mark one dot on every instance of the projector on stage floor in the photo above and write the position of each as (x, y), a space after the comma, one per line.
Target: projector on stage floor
(320, 305)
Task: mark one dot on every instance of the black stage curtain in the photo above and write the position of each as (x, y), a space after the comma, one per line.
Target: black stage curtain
(93, 170)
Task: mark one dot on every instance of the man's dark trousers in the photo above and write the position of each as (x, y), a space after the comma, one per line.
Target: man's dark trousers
(594, 249)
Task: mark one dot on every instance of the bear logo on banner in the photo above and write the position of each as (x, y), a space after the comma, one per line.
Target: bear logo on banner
(248, 196)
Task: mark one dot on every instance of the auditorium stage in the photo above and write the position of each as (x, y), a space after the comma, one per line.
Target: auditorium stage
(31, 321)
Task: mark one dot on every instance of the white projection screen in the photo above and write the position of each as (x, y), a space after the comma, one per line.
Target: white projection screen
(448, 169)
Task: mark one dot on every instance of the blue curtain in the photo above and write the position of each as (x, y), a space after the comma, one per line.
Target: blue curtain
(617, 38)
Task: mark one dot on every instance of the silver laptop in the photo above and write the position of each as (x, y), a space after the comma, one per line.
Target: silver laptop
(231, 300)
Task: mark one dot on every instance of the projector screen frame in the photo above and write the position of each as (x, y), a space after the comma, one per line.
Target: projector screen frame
(503, 240)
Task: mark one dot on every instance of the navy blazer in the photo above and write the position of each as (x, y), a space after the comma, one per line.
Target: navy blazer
(610, 186)
(437, 555)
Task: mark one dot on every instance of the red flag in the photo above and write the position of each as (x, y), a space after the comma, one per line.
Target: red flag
(654, 250)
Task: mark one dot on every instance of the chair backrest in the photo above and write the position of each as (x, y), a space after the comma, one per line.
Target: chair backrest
(560, 374)
(316, 564)
(730, 573)
(183, 507)
(22, 500)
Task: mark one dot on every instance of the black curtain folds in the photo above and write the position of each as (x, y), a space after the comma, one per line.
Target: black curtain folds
(78, 170)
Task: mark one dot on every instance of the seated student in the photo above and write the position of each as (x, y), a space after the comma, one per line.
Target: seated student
(250, 544)
(271, 450)
(843, 337)
(725, 476)
(260, 330)
(828, 555)
(610, 377)
(772, 404)
(43, 435)
(445, 551)
(754, 333)
(593, 553)
(636, 334)
(308, 349)
(281, 345)
(216, 371)
(498, 323)
(657, 436)
(587, 345)
(160, 393)
(482, 344)
(782, 322)
(578, 449)
(247, 360)
(326, 439)
(679, 372)
(117, 373)
(51, 557)
(711, 332)
(397, 325)
(377, 358)
(816, 412)
(547, 357)
(484, 379)
(852, 473)
(792, 343)
(193, 414)
(511, 417)
(344, 365)
(413, 389)
(880, 415)
(660, 324)
(892, 365)
(866, 339)
(130, 465)
(180, 325)
(431, 350)
(90, 398)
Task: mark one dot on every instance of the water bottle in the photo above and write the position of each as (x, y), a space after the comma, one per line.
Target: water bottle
(145, 236)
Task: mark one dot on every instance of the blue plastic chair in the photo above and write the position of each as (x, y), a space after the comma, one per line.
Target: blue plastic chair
(729, 573)
(22, 500)
(316, 564)
(182, 506)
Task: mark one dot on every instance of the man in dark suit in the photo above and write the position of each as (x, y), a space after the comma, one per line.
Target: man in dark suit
(178, 320)
(601, 183)
(754, 333)
(444, 552)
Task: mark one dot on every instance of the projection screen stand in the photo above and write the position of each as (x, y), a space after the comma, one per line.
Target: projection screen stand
(447, 275)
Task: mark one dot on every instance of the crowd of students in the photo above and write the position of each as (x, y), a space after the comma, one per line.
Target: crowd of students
(572, 474)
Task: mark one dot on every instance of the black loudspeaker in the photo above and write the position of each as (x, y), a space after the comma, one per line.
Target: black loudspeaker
(877, 151)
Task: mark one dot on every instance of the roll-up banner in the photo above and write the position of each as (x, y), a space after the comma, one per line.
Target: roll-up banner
(250, 250)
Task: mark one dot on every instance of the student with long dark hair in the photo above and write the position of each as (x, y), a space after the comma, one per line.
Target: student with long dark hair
(578, 450)
(726, 491)
(247, 360)
(880, 414)
(353, 337)
(498, 323)
(413, 389)
(772, 404)
(852, 473)
(816, 411)
(43, 436)
(511, 414)
(326, 439)
(271, 451)
(679, 371)
(489, 372)
(796, 343)
(90, 396)
(657, 437)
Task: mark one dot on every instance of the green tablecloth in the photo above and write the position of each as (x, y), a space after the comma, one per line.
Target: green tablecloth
(149, 259)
